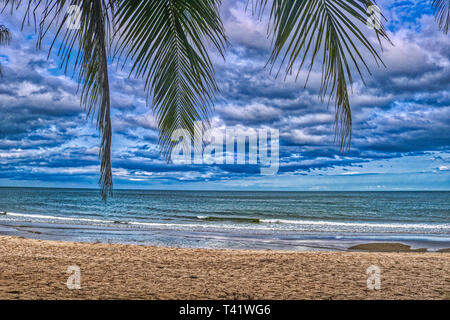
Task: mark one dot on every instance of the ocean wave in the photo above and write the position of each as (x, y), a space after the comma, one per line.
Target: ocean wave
(328, 223)
(48, 217)
(249, 223)
(360, 224)
(79, 220)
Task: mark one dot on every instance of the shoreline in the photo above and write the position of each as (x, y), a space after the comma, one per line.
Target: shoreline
(373, 246)
(37, 269)
(207, 237)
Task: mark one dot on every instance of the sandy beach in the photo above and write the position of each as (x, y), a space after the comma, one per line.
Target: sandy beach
(37, 269)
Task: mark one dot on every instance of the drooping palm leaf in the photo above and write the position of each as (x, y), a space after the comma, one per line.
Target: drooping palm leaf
(308, 30)
(167, 43)
(5, 35)
(84, 49)
(93, 37)
(5, 38)
(442, 13)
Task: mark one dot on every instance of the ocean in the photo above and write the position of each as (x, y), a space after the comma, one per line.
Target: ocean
(229, 219)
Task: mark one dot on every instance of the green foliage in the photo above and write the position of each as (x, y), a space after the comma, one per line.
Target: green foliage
(305, 32)
(167, 42)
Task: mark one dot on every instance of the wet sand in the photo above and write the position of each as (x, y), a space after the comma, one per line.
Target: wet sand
(37, 269)
(386, 247)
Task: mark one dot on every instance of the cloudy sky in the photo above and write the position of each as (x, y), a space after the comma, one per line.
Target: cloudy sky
(401, 118)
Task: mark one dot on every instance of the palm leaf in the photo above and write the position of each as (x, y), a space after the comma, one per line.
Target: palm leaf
(166, 41)
(305, 31)
(91, 59)
(5, 35)
(442, 13)
(85, 50)
(93, 38)
(5, 38)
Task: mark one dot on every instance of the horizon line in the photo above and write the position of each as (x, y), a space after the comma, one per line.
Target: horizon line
(228, 190)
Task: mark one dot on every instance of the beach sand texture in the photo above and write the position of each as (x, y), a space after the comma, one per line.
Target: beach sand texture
(37, 269)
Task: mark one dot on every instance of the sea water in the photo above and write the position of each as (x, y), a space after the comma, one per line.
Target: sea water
(228, 219)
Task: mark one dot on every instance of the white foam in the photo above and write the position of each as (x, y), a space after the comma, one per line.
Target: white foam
(144, 224)
(41, 216)
(266, 224)
(360, 224)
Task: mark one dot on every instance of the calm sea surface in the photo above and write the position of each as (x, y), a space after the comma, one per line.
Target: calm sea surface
(209, 219)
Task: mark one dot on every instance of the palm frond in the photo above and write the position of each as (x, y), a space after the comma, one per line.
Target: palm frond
(442, 13)
(5, 35)
(92, 60)
(84, 49)
(5, 38)
(167, 41)
(304, 31)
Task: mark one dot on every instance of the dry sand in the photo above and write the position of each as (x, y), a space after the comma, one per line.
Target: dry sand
(36, 269)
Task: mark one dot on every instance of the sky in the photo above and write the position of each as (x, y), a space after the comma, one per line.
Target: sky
(401, 117)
